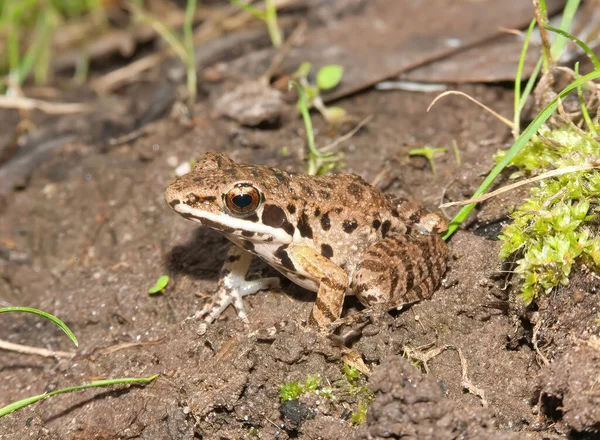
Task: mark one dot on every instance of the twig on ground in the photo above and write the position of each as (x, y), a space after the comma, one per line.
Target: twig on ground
(483, 106)
(466, 382)
(348, 135)
(293, 39)
(534, 341)
(26, 349)
(557, 172)
(51, 108)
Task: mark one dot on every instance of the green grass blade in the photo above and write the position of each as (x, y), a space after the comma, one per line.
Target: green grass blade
(98, 383)
(522, 140)
(590, 53)
(565, 24)
(190, 62)
(310, 136)
(517, 106)
(46, 315)
(530, 83)
(250, 9)
(584, 110)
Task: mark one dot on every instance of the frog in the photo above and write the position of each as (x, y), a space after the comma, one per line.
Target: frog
(335, 235)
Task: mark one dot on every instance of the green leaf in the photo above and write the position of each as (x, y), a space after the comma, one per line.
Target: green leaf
(329, 76)
(161, 283)
(46, 315)
(98, 383)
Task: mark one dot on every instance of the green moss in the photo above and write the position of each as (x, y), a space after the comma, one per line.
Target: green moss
(360, 415)
(553, 230)
(293, 390)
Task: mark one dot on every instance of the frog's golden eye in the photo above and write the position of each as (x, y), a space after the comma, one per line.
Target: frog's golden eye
(242, 200)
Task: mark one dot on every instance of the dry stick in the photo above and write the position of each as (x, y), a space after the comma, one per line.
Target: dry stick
(540, 22)
(534, 341)
(293, 39)
(348, 135)
(51, 108)
(561, 111)
(557, 172)
(485, 107)
(466, 382)
(26, 349)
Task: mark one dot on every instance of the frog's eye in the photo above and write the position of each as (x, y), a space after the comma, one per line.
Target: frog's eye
(242, 200)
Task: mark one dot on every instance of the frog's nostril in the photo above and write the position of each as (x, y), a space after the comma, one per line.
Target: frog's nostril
(192, 198)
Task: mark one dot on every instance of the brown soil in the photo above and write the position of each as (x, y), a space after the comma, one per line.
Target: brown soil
(87, 232)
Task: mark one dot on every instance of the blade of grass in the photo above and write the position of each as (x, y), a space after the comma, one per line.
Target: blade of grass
(98, 383)
(527, 134)
(565, 24)
(584, 110)
(530, 83)
(271, 21)
(590, 53)
(517, 108)
(250, 9)
(46, 315)
(190, 61)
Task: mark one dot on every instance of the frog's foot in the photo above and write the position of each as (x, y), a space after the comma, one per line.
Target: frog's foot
(231, 291)
(233, 286)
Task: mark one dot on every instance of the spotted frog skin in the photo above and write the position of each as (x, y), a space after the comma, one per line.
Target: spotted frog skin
(334, 235)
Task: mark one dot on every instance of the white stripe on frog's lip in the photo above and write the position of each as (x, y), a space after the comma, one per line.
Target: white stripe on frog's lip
(238, 224)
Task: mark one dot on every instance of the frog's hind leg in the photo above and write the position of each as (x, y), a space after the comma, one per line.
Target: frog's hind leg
(400, 270)
(333, 283)
(233, 286)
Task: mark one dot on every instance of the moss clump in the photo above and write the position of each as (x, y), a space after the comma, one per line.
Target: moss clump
(356, 385)
(293, 390)
(554, 229)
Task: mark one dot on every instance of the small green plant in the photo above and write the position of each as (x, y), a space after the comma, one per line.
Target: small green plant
(328, 77)
(269, 16)
(554, 228)
(356, 385)
(318, 163)
(160, 284)
(293, 390)
(428, 153)
(522, 138)
(182, 46)
(99, 383)
(28, 27)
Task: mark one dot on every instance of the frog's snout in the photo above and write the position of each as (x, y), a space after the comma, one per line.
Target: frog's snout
(173, 195)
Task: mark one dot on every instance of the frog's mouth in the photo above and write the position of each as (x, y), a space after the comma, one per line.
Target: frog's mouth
(245, 228)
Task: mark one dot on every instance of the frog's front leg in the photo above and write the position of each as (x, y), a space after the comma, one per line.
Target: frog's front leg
(333, 282)
(233, 286)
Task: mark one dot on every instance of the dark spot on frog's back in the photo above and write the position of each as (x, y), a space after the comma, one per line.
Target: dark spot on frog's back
(282, 254)
(355, 190)
(376, 224)
(291, 208)
(325, 222)
(349, 226)
(385, 228)
(248, 233)
(304, 227)
(326, 251)
(174, 203)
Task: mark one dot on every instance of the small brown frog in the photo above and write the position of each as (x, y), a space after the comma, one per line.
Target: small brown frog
(334, 235)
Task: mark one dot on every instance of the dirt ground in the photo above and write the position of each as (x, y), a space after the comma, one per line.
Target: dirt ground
(84, 232)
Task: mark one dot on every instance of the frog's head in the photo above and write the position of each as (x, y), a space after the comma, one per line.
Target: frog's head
(237, 200)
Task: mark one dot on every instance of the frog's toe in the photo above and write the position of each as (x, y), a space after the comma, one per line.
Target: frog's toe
(230, 292)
